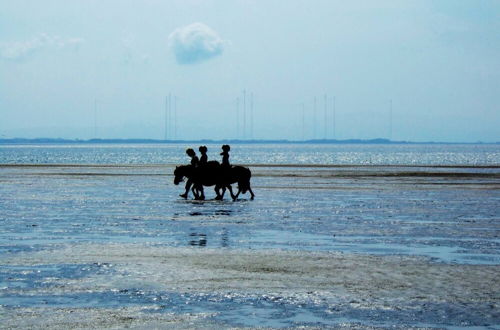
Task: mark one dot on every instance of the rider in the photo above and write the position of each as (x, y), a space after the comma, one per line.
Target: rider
(204, 157)
(194, 162)
(225, 155)
(194, 159)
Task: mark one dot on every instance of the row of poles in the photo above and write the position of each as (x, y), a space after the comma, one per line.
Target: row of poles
(328, 118)
(245, 117)
(244, 122)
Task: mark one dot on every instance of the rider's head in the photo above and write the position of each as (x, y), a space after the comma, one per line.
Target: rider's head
(190, 152)
(203, 149)
(226, 148)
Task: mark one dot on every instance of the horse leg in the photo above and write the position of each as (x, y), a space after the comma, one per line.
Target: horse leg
(219, 195)
(231, 192)
(200, 195)
(198, 192)
(237, 194)
(251, 192)
(194, 190)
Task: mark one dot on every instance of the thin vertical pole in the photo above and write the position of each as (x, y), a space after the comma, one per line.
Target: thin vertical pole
(303, 122)
(170, 115)
(314, 119)
(175, 117)
(251, 115)
(237, 117)
(166, 119)
(334, 121)
(244, 113)
(325, 119)
(390, 119)
(95, 118)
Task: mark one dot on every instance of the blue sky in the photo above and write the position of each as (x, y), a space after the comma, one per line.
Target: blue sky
(436, 61)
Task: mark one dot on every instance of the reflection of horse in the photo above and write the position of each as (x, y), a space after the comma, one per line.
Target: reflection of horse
(213, 174)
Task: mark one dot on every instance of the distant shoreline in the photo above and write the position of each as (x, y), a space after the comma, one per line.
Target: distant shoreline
(209, 141)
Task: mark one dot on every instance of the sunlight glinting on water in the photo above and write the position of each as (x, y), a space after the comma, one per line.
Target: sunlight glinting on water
(335, 154)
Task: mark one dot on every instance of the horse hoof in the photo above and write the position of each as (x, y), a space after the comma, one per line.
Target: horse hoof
(183, 195)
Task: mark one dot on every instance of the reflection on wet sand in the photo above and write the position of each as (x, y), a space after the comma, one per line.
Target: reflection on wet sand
(210, 213)
(224, 237)
(198, 239)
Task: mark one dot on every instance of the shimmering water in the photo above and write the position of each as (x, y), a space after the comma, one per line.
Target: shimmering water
(436, 203)
(340, 154)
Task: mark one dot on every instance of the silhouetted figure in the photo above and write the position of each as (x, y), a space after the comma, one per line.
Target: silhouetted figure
(194, 159)
(225, 156)
(194, 163)
(204, 157)
(215, 174)
(211, 173)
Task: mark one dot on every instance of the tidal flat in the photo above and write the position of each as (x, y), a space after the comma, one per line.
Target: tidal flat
(113, 246)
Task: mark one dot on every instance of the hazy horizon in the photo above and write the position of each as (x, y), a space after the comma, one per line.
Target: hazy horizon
(57, 140)
(90, 69)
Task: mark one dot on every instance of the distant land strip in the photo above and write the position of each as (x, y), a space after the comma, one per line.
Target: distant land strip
(224, 141)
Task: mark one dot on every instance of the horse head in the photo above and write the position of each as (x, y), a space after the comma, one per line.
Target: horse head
(178, 175)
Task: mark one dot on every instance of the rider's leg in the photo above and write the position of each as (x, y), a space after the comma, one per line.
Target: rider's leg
(188, 185)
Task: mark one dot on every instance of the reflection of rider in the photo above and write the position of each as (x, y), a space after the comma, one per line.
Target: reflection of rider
(204, 157)
(225, 155)
(194, 162)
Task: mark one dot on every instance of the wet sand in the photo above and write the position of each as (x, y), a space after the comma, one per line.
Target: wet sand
(341, 246)
(335, 283)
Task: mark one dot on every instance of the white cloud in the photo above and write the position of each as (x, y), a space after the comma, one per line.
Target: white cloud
(195, 43)
(22, 49)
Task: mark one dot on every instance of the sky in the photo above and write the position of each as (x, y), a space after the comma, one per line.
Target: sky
(406, 70)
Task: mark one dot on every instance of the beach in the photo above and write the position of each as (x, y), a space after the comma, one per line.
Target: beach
(352, 147)
(340, 246)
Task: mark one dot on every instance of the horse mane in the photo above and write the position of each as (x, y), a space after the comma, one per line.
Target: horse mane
(183, 166)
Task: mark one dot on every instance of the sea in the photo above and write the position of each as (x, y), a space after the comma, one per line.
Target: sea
(338, 235)
(300, 154)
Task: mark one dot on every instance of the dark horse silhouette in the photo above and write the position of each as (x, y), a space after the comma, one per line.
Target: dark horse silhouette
(213, 174)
